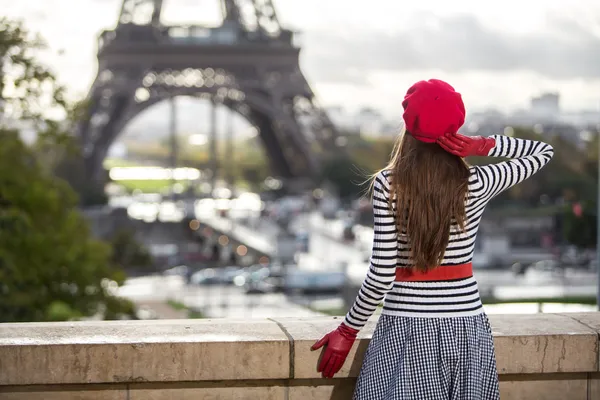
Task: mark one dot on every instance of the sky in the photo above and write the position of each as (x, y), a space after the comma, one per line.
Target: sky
(367, 53)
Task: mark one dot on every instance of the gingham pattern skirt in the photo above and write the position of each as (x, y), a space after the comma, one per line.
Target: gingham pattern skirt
(412, 358)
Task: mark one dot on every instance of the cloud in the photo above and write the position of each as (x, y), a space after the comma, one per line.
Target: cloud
(455, 44)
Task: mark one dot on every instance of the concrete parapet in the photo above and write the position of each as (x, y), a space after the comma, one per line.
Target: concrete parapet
(544, 356)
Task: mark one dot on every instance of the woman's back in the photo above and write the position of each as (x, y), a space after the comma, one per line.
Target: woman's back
(392, 251)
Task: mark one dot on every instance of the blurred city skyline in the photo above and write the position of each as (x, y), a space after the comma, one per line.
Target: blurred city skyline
(358, 54)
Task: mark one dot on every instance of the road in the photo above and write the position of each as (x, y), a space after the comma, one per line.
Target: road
(212, 301)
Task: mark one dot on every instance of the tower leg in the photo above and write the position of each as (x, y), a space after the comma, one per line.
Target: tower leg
(229, 151)
(174, 156)
(213, 144)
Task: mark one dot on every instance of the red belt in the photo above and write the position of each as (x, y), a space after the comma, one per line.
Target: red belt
(442, 273)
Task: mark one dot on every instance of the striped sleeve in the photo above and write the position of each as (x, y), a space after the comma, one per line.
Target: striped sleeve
(382, 269)
(527, 158)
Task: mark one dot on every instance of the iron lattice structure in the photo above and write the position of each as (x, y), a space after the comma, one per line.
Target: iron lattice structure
(249, 64)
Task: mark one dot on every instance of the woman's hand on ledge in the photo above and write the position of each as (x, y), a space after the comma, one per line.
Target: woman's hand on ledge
(337, 347)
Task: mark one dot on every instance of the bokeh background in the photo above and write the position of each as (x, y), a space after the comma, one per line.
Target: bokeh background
(191, 218)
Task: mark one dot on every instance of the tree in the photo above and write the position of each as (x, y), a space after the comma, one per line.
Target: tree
(128, 253)
(346, 176)
(28, 89)
(579, 225)
(31, 98)
(50, 266)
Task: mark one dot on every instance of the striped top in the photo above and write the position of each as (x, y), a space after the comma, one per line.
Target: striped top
(453, 298)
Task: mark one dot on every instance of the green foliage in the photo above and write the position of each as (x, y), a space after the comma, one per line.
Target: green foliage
(580, 231)
(71, 168)
(371, 154)
(61, 311)
(192, 313)
(176, 305)
(149, 186)
(28, 89)
(348, 178)
(50, 267)
(128, 253)
(118, 308)
(30, 94)
(195, 314)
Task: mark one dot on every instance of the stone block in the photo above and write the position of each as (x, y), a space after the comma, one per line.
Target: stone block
(590, 319)
(306, 331)
(543, 343)
(142, 351)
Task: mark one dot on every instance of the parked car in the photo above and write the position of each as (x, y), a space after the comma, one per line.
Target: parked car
(256, 282)
(266, 280)
(228, 274)
(314, 282)
(208, 276)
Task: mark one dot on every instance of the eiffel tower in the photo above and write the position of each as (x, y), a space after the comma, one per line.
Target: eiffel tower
(249, 64)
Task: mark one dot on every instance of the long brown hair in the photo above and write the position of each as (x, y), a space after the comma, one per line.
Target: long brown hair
(428, 191)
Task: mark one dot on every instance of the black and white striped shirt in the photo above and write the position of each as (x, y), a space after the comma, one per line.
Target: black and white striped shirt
(454, 298)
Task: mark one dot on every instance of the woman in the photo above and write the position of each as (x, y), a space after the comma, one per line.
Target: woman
(433, 339)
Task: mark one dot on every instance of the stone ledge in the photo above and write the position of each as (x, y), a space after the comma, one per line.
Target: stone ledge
(150, 352)
(540, 343)
(141, 351)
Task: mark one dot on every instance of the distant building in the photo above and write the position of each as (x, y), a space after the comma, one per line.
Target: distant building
(341, 119)
(369, 122)
(546, 105)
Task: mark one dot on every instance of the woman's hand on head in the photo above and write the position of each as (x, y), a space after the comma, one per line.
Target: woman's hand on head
(464, 146)
(456, 144)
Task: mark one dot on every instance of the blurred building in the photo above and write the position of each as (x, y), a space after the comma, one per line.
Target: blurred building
(546, 106)
(369, 121)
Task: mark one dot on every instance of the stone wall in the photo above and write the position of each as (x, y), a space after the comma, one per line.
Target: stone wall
(545, 356)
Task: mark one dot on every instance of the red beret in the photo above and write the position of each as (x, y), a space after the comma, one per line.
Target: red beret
(431, 109)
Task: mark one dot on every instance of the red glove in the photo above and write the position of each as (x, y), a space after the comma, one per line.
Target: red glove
(464, 146)
(337, 346)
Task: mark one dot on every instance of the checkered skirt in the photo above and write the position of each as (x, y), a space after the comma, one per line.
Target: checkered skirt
(412, 358)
